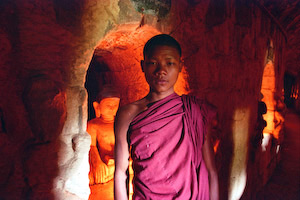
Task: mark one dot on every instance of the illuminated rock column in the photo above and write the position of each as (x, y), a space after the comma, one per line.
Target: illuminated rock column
(268, 89)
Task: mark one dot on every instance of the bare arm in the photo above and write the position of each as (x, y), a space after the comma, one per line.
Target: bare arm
(209, 159)
(122, 121)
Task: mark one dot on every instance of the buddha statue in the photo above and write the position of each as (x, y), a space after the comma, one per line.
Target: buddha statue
(101, 129)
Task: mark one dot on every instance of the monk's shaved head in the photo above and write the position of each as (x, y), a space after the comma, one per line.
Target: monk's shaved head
(161, 40)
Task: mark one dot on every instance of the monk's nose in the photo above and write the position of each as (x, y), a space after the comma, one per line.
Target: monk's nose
(161, 69)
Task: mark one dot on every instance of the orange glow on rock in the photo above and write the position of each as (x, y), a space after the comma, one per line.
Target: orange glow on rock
(181, 87)
(216, 145)
(122, 50)
(268, 90)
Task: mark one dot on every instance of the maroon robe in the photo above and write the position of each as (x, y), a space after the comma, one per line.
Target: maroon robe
(166, 148)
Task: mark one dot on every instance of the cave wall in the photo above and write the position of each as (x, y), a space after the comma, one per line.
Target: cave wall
(46, 48)
(224, 49)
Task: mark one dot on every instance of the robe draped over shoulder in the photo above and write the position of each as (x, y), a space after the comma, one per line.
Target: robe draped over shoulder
(166, 148)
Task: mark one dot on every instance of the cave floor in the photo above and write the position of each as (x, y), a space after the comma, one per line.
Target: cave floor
(285, 182)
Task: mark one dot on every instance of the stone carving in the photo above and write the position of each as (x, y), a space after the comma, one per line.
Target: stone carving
(101, 129)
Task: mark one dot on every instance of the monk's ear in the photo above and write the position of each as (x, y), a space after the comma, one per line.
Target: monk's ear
(180, 64)
(142, 65)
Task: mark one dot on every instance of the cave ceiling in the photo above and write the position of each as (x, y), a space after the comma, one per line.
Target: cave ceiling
(287, 12)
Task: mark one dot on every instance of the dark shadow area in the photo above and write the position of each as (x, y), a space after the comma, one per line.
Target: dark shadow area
(284, 182)
(289, 84)
(97, 75)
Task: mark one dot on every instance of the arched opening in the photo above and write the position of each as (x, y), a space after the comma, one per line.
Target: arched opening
(273, 98)
(267, 91)
(116, 61)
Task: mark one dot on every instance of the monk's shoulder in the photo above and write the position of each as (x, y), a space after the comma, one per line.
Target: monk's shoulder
(127, 112)
(201, 105)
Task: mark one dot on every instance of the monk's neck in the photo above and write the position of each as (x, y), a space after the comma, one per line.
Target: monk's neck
(153, 97)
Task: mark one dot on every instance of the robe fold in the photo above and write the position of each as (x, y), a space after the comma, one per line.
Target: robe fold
(166, 148)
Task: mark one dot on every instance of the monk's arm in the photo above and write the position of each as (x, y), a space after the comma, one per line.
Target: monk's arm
(121, 155)
(209, 159)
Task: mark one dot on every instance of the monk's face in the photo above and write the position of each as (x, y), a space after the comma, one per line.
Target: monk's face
(161, 67)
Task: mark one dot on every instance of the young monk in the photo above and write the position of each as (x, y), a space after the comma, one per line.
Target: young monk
(168, 134)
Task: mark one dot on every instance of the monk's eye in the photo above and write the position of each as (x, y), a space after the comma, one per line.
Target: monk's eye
(170, 63)
(151, 63)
